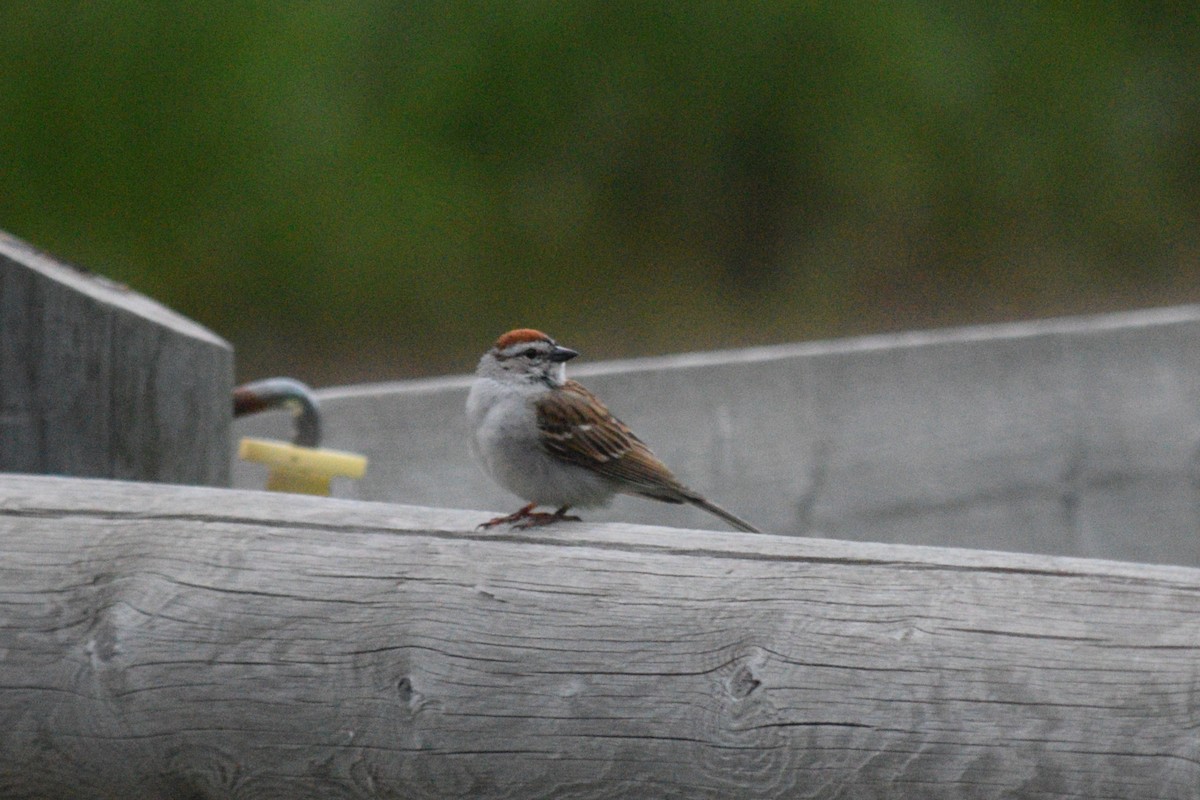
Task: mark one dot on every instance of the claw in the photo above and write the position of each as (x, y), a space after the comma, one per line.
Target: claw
(526, 517)
(516, 516)
(540, 519)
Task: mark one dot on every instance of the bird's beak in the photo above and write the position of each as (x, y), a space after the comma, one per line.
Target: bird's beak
(560, 354)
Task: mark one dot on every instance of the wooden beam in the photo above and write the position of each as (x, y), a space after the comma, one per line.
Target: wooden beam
(97, 380)
(165, 641)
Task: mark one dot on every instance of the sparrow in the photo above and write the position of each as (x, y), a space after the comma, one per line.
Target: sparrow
(553, 443)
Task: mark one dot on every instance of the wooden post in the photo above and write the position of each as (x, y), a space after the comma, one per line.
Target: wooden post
(166, 642)
(97, 380)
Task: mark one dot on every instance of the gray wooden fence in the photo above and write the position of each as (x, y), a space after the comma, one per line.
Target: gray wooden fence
(167, 641)
(174, 642)
(97, 380)
(1072, 437)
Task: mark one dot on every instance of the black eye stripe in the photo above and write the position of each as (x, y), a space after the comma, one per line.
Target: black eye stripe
(526, 352)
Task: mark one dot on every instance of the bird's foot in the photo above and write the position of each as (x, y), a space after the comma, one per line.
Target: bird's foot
(516, 516)
(526, 517)
(538, 519)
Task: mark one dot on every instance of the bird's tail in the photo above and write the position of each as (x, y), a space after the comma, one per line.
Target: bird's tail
(716, 510)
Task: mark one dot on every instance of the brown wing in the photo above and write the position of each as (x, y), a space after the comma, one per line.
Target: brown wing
(578, 428)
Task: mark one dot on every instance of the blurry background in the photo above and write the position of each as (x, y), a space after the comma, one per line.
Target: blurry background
(366, 190)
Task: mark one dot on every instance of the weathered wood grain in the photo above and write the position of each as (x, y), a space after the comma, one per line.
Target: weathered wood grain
(171, 642)
(1069, 437)
(97, 380)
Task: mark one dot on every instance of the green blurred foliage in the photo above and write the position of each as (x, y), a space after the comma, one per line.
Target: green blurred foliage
(365, 190)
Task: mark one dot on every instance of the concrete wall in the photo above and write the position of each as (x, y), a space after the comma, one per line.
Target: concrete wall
(1073, 436)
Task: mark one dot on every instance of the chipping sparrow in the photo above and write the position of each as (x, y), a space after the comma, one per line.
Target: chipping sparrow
(552, 442)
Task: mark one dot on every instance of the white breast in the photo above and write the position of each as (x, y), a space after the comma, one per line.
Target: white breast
(507, 442)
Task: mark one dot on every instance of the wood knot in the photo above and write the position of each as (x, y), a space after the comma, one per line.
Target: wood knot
(409, 694)
(743, 682)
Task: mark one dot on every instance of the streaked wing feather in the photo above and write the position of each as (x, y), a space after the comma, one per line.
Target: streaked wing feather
(578, 428)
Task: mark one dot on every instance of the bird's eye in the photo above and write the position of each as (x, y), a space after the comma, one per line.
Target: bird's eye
(530, 353)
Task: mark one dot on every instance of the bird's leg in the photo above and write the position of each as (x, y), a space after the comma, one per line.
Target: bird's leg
(526, 517)
(519, 514)
(539, 519)
(565, 517)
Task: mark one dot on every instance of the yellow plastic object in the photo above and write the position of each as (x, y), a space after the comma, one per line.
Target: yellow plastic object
(302, 470)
